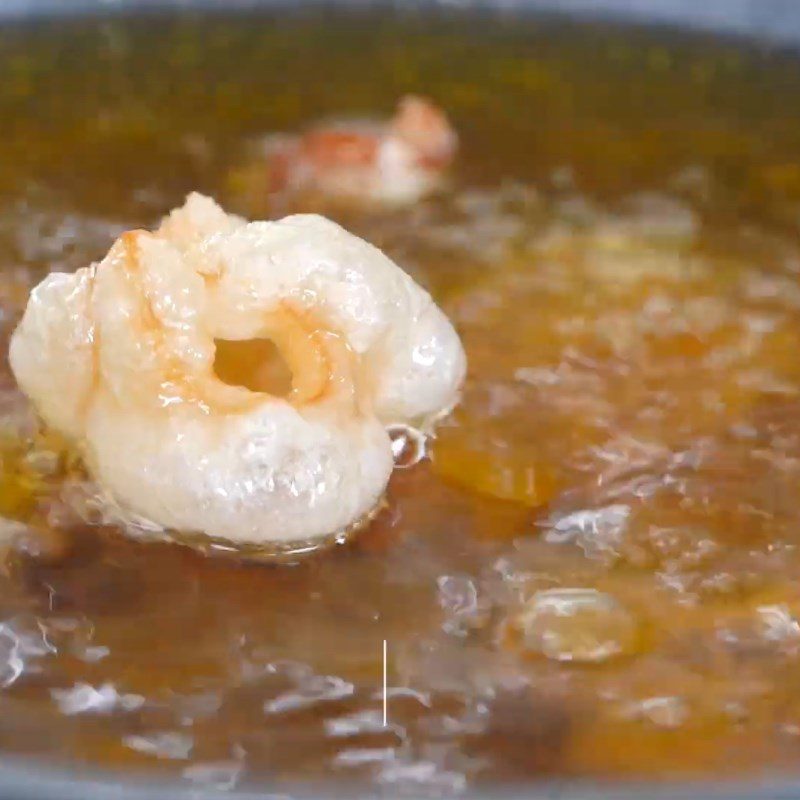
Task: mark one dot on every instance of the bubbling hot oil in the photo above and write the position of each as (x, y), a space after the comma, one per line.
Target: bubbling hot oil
(591, 569)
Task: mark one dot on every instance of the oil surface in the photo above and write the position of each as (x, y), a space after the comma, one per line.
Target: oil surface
(594, 573)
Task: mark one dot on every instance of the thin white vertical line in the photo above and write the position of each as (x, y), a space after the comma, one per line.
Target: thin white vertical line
(385, 718)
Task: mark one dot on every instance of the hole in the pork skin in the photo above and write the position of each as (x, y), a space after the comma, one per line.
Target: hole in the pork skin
(408, 445)
(255, 364)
